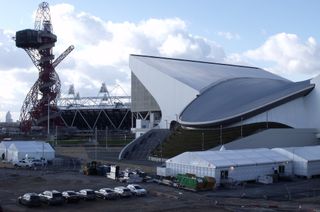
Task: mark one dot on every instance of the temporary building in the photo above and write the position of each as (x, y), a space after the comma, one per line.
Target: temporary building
(306, 160)
(30, 149)
(4, 145)
(230, 165)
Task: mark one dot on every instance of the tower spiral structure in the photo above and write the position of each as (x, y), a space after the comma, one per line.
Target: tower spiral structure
(41, 101)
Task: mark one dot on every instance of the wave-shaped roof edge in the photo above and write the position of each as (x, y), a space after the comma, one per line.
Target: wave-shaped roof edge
(196, 61)
(197, 74)
(286, 97)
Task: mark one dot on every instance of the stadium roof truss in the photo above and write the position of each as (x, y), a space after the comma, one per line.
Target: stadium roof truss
(88, 113)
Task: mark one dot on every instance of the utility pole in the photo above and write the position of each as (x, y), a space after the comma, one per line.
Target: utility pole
(202, 140)
(106, 137)
(48, 118)
(221, 135)
(56, 136)
(161, 150)
(96, 142)
(42, 151)
(241, 129)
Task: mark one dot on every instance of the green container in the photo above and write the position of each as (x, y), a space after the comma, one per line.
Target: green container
(192, 182)
(188, 181)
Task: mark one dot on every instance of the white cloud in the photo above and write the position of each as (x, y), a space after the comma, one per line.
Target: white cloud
(229, 35)
(10, 56)
(102, 48)
(101, 52)
(288, 55)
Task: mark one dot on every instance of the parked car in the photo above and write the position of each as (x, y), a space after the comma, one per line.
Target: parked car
(30, 199)
(23, 163)
(137, 189)
(70, 196)
(107, 193)
(87, 194)
(123, 191)
(52, 197)
(38, 162)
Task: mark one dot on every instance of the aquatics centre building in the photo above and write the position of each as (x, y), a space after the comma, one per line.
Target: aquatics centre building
(205, 94)
(166, 92)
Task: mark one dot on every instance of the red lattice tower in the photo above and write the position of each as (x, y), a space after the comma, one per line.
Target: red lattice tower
(41, 101)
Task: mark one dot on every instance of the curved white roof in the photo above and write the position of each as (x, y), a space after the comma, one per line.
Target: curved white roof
(228, 158)
(199, 74)
(206, 94)
(240, 98)
(308, 153)
(32, 146)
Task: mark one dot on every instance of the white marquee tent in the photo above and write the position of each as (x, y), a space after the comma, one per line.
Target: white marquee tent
(306, 160)
(31, 149)
(230, 165)
(4, 146)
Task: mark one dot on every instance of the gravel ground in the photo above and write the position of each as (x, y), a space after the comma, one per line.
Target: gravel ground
(296, 195)
(15, 182)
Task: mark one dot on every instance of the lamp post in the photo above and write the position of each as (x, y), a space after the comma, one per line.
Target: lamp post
(221, 135)
(241, 127)
(267, 119)
(42, 152)
(161, 150)
(293, 162)
(96, 142)
(202, 134)
(48, 117)
(106, 137)
(56, 143)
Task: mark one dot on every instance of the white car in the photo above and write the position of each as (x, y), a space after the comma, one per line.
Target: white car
(137, 189)
(23, 163)
(38, 162)
(123, 191)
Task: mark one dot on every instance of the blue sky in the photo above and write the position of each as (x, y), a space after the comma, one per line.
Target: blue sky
(253, 20)
(280, 36)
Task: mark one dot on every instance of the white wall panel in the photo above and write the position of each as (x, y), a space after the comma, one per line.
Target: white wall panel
(171, 94)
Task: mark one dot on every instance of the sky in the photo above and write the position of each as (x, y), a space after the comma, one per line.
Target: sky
(278, 36)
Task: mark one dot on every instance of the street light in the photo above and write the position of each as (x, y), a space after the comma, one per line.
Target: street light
(202, 140)
(161, 149)
(96, 142)
(221, 135)
(48, 117)
(106, 137)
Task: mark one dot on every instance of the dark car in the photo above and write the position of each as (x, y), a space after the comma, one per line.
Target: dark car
(87, 194)
(70, 196)
(107, 193)
(30, 199)
(52, 197)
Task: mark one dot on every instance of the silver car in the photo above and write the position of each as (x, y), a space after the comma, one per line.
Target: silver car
(107, 193)
(123, 191)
